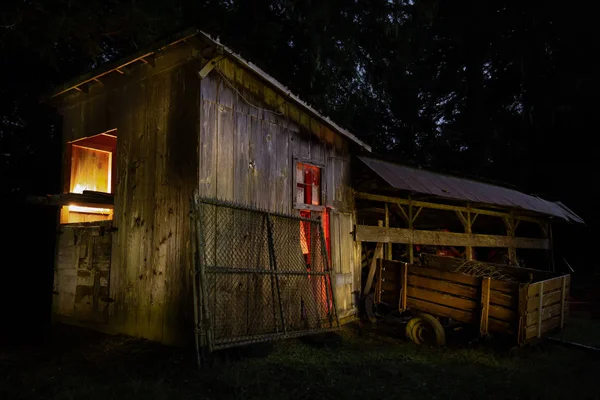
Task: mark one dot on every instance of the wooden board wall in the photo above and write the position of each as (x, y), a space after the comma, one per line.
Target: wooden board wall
(176, 133)
(250, 138)
(81, 273)
(155, 112)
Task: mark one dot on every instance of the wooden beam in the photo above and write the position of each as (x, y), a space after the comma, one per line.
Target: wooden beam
(387, 246)
(437, 206)
(411, 221)
(563, 293)
(376, 255)
(365, 233)
(510, 231)
(485, 305)
(403, 286)
(540, 309)
(467, 224)
(402, 213)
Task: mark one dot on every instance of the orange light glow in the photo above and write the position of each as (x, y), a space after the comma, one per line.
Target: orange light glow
(91, 170)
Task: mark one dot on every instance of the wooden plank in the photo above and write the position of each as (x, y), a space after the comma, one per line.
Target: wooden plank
(563, 293)
(441, 298)
(443, 286)
(440, 310)
(376, 255)
(541, 297)
(534, 317)
(503, 299)
(549, 285)
(550, 298)
(522, 314)
(497, 326)
(504, 286)
(365, 233)
(443, 275)
(502, 313)
(485, 304)
(547, 325)
(438, 206)
(403, 286)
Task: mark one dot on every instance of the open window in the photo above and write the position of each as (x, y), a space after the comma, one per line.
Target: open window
(89, 178)
(309, 200)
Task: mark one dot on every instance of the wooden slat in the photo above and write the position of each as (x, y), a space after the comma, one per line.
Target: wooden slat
(404, 286)
(376, 256)
(563, 293)
(550, 285)
(547, 312)
(497, 326)
(502, 313)
(549, 299)
(441, 298)
(485, 306)
(365, 233)
(503, 299)
(442, 275)
(443, 286)
(440, 310)
(505, 286)
(547, 325)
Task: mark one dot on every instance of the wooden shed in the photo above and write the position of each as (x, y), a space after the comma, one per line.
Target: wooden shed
(145, 133)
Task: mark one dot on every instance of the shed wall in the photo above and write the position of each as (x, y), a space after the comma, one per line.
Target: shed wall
(250, 138)
(155, 112)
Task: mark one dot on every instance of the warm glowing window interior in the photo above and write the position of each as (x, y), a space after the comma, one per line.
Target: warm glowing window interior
(308, 184)
(91, 169)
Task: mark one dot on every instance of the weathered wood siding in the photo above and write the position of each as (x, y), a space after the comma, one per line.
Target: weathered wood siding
(248, 151)
(82, 270)
(155, 113)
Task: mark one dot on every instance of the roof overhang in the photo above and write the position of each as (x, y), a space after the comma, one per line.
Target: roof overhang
(145, 56)
(442, 186)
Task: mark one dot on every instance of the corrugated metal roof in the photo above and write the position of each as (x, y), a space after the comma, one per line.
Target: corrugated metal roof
(450, 187)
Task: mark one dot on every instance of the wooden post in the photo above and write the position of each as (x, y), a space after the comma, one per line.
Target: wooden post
(388, 246)
(563, 296)
(378, 253)
(510, 231)
(551, 250)
(403, 286)
(485, 305)
(522, 328)
(540, 305)
(411, 255)
(467, 224)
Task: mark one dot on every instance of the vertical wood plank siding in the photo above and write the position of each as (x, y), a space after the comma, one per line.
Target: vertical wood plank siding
(156, 114)
(175, 134)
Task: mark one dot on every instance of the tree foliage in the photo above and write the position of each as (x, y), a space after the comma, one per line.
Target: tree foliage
(492, 89)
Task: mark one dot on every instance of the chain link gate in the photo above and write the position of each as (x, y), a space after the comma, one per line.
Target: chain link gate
(259, 276)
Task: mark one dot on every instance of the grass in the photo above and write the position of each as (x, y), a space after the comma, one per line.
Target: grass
(74, 363)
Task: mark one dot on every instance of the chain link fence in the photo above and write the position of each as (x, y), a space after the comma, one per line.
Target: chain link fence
(260, 276)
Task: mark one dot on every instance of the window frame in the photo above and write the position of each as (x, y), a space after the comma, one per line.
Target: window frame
(303, 206)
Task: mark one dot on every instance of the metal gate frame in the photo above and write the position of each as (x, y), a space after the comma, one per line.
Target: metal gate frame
(206, 342)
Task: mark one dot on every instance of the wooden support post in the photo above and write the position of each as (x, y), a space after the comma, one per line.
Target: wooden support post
(403, 286)
(387, 246)
(540, 306)
(510, 231)
(485, 305)
(563, 295)
(378, 253)
(551, 250)
(522, 328)
(467, 224)
(411, 254)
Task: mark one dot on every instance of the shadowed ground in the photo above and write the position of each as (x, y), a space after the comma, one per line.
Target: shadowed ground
(76, 363)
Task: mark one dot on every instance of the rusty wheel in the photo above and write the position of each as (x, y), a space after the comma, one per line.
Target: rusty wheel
(426, 329)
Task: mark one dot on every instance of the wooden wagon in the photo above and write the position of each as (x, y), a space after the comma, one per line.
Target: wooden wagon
(528, 306)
